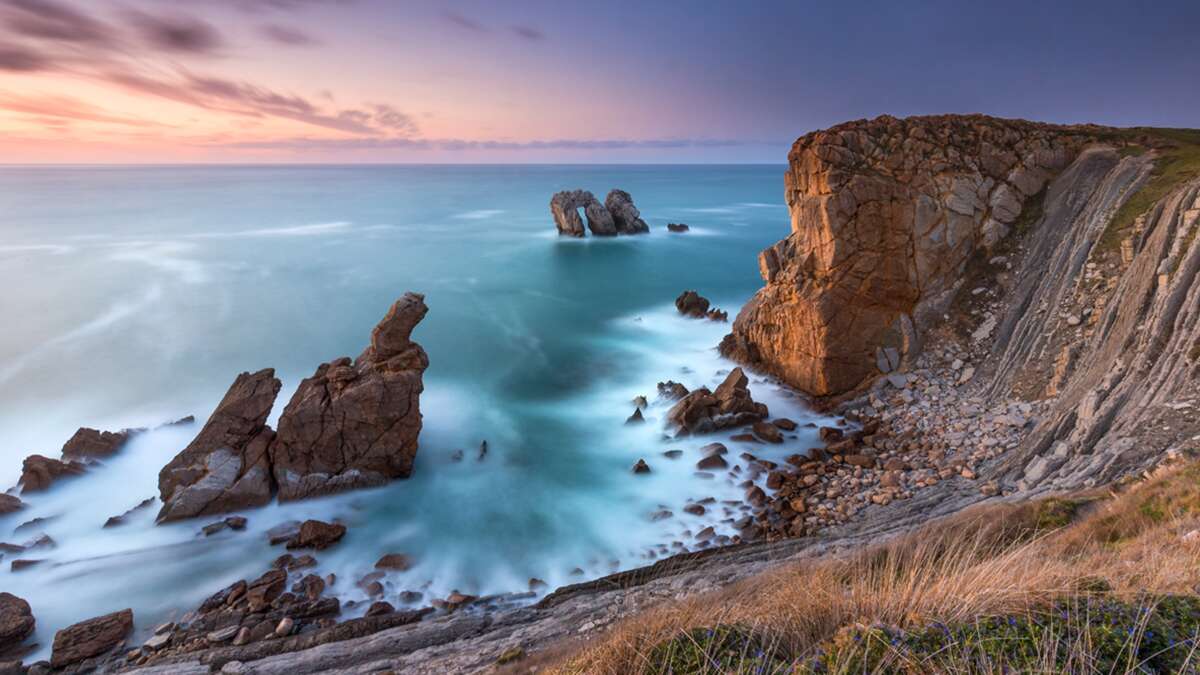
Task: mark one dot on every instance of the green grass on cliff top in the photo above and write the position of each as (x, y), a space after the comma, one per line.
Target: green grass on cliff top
(1178, 161)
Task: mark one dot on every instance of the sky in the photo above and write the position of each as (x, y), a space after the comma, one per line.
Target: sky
(281, 81)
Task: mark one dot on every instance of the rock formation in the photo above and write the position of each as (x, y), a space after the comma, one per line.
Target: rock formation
(355, 424)
(10, 504)
(227, 466)
(617, 215)
(691, 303)
(88, 444)
(91, 638)
(39, 472)
(16, 621)
(704, 411)
(886, 214)
(626, 217)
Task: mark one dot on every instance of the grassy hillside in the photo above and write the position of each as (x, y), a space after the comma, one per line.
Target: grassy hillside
(1178, 160)
(1097, 583)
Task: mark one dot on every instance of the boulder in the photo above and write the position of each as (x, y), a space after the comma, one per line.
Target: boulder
(768, 432)
(317, 535)
(39, 472)
(90, 638)
(16, 621)
(641, 467)
(10, 504)
(730, 405)
(355, 424)
(394, 561)
(227, 466)
(677, 227)
(671, 390)
(636, 417)
(89, 444)
(564, 207)
(691, 303)
(626, 218)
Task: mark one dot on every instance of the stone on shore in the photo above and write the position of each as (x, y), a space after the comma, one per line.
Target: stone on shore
(730, 405)
(90, 638)
(227, 466)
(16, 621)
(317, 535)
(355, 424)
(398, 562)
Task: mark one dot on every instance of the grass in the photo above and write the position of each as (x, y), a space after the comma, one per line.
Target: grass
(1097, 584)
(1178, 161)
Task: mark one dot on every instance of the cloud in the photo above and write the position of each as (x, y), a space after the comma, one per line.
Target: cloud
(529, 33)
(176, 32)
(22, 60)
(255, 6)
(464, 22)
(454, 144)
(63, 107)
(287, 36)
(50, 20)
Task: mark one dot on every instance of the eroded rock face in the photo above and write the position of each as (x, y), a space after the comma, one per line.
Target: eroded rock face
(90, 638)
(39, 472)
(355, 423)
(227, 466)
(886, 213)
(16, 621)
(626, 217)
(89, 444)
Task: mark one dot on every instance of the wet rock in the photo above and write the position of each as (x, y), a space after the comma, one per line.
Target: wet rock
(694, 509)
(410, 597)
(317, 535)
(25, 563)
(115, 521)
(379, 608)
(39, 472)
(691, 303)
(831, 434)
(261, 592)
(10, 504)
(226, 467)
(311, 587)
(714, 449)
(283, 532)
(768, 432)
(285, 626)
(564, 207)
(785, 424)
(89, 444)
(397, 562)
(626, 218)
(641, 467)
(712, 462)
(636, 417)
(222, 634)
(673, 454)
(677, 227)
(355, 424)
(90, 638)
(671, 390)
(730, 405)
(16, 621)
(640, 402)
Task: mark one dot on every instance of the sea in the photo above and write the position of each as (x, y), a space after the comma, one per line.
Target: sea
(133, 296)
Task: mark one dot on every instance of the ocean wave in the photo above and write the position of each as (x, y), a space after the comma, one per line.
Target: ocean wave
(313, 230)
(479, 214)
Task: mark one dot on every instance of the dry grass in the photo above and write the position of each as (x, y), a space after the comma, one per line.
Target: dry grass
(1000, 560)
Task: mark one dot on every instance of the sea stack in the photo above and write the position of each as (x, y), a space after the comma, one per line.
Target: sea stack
(617, 215)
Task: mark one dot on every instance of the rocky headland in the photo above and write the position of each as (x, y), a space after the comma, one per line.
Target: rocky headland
(991, 309)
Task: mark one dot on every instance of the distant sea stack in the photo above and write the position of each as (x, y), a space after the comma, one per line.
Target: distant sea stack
(352, 424)
(617, 215)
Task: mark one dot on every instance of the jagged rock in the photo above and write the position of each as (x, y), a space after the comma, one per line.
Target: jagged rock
(671, 390)
(10, 504)
(677, 227)
(39, 472)
(16, 621)
(625, 216)
(641, 467)
(886, 213)
(227, 466)
(636, 417)
(317, 535)
(90, 638)
(89, 444)
(355, 424)
(730, 405)
(691, 303)
(114, 521)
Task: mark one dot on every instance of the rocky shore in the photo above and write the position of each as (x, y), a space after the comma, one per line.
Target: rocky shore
(949, 294)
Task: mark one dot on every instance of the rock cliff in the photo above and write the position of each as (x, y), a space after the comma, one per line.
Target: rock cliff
(885, 215)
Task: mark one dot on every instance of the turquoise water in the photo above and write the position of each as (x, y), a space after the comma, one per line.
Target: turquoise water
(135, 295)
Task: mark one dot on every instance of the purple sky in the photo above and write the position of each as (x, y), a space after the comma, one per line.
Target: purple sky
(376, 81)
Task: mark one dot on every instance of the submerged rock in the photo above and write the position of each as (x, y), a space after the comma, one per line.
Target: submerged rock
(89, 444)
(355, 424)
(317, 535)
(227, 466)
(90, 638)
(677, 227)
(691, 303)
(10, 504)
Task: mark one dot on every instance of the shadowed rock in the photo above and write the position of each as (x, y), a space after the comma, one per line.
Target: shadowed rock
(704, 411)
(39, 472)
(16, 621)
(355, 424)
(226, 467)
(625, 216)
(94, 444)
(10, 504)
(617, 215)
(90, 638)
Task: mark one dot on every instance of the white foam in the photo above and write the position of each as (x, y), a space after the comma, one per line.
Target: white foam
(479, 214)
(313, 230)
